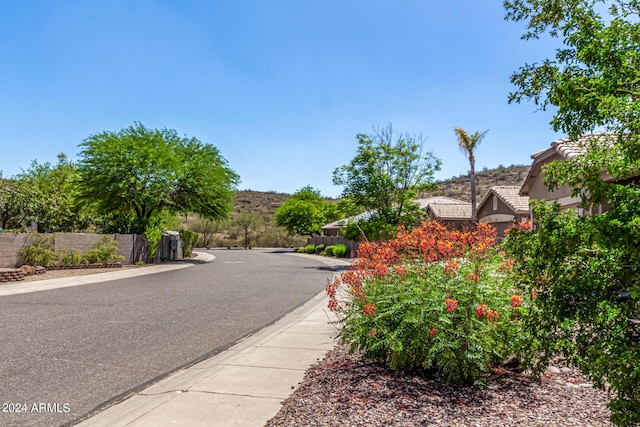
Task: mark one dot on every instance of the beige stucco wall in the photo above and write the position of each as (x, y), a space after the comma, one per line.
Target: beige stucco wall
(539, 191)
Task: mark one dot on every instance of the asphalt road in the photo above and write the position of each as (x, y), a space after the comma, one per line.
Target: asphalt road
(67, 352)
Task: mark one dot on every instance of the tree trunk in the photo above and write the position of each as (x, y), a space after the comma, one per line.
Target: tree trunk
(472, 173)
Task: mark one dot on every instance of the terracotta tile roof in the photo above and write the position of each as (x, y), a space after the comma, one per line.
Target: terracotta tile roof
(451, 211)
(442, 207)
(510, 195)
(440, 200)
(568, 148)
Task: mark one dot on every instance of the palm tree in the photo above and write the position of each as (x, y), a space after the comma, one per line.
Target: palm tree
(468, 144)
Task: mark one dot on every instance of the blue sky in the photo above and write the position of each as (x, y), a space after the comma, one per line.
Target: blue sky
(281, 87)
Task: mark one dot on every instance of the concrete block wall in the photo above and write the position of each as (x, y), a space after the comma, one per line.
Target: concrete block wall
(79, 241)
(10, 245)
(131, 246)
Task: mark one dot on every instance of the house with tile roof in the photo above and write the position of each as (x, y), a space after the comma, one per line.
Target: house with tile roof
(333, 228)
(503, 207)
(449, 212)
(562, 149)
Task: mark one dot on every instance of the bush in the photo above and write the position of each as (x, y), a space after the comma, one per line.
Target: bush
(42, 251)
(104, 252)
(69, 257)
(319, 249)
(276, 237)
(153, 234)
(328, 251)
(301, 250)
(434, 299)
(189, 238)
(310, 248)
(585, 275)
(340, 251)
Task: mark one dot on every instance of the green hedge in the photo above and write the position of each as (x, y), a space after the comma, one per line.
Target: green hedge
(340, 251)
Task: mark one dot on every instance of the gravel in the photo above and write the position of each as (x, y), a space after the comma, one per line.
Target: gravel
(57, 274)
(344, 390)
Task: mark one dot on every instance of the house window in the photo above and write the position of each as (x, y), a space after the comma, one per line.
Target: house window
(495, 203)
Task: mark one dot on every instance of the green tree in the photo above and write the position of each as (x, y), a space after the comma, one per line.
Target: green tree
(593, 80)
(206, 228)
(385, 176)
(18, 202)
(247, 222)
(56, 190)
(137, 173)
(305, 212)
(468, 144)
(585, 270)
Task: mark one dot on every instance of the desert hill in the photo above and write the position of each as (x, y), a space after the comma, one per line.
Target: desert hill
(266, 202)
(459, 187)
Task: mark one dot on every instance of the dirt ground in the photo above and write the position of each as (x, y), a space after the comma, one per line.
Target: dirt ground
(56, 274)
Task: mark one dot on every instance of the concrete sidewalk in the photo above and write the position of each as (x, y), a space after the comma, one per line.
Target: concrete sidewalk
(242, 386)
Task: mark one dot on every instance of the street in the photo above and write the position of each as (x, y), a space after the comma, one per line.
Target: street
(70, 351)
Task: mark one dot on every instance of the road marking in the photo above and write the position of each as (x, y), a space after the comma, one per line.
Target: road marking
(233, 262)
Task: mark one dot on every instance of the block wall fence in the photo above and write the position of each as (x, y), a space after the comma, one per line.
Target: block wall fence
(352, 247)
(132, 247)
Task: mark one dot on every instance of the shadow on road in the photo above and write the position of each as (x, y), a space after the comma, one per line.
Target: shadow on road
(330, 268)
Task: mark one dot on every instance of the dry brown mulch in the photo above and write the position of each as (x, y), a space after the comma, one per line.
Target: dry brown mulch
(343, 390)
(57, 274)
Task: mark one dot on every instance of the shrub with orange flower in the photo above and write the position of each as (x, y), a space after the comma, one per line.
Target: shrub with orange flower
(369, 309)
(397, 288)
(516, 300)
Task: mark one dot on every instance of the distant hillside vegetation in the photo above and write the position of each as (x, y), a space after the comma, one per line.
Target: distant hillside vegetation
(459, 187)
(266, 202)
(265, 233)
(260, 202)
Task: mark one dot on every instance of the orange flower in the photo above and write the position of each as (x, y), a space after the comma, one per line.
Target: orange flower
(432, 331)
(481, 310)
(525, 224)
(451, 304)
(451, 268)
(372, 332)
(516, 300)
(369, 309)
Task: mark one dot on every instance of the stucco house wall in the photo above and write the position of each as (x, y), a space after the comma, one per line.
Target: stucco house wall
(503, 207)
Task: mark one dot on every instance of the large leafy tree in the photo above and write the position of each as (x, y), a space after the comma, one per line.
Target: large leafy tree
(468, 144)
(54, 189)
(137, 173)
(305, 212)
(585, 270)
(18, 202)
(386, 175)
(593, 81)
